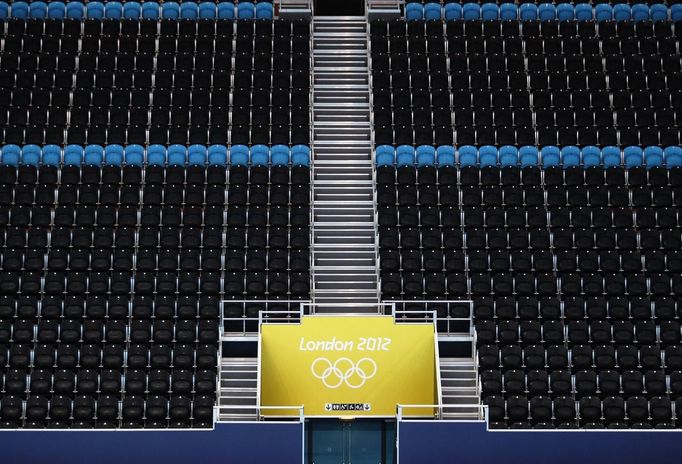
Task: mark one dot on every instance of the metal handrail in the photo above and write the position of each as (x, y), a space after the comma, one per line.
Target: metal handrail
(426, 314)
(261, 417)
(370, 86)
(313, 308)
(264, 316)
(311, 180)
(295, 4)
(482, 411)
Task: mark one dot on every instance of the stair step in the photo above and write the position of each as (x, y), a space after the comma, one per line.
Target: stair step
(344, 236)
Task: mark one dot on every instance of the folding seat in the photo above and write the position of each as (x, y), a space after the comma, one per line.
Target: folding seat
(564, 409)
(514, 382)
(491, 382)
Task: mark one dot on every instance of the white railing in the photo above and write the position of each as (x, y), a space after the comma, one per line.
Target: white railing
(268, 312)
(381, 308)
(375, 8)
(311, 179)
(445, 324)
(294, 5)
(260, 417)
(454, 412)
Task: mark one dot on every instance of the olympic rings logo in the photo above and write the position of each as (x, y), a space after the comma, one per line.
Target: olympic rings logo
(343, 370)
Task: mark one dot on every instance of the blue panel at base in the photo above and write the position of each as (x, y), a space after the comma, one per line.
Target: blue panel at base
(233, 443)
(470, 443)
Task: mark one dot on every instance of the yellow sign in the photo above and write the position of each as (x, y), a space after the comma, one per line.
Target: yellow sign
(347, 366)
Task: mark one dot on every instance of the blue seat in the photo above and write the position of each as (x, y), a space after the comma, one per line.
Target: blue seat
(156, 155)
(52, 155)
(94, 154)
(610, 156)
(676, 12)
(239, 155)
(246, 10)
(633, 156)
(264, 10)
(196, 155)
(546, 12)
(279, 155)
(225, 10)
(639, 12)
(471, 11)
(653, 157)
(445, 155)
(176, 155)
(509, 156)
(20, 10)
(565, 12)
(385, 155)
(170, 10)
(260, 155)
(508, 11)
(426, 155)
(207, 10)
(453, 11)
(551, 156)
(134, 155)
(150, 10)
(673, 157)
(75, 10)
(95, 10)
(570, 156)
(217, 155)
(113, 10)
(73, 155)
(11, 154)
(528, 156)
(591, 156)
(487, 156)
(405, 155)
(432, 11)
(132, 10)
(528, 12)
(300, 155)
(489, 11)
(621, 12)
(4, 10)
(658, 12)
(468, 155)
(189, 10)
(583, 12)
(414, 11)
(603, 12)
(56, 10)
(30, 155)
(113, 155)
(38, 10)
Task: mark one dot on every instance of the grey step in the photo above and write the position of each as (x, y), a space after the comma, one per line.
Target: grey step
(237, 401)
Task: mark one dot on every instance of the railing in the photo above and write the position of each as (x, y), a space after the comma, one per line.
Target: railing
(370, 86)
(311, 173)
(255, 312)
(474, 412)
(260, 417)
(428, 310)
(312, 308)
(378, 7)
(252, 313)
(302, 6)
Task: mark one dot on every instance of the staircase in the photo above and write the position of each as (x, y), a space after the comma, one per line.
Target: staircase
(459, 380)
(238, 389)
(344, 255)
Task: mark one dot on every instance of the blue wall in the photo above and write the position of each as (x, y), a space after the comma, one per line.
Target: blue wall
(228, 444)
(465, 443)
